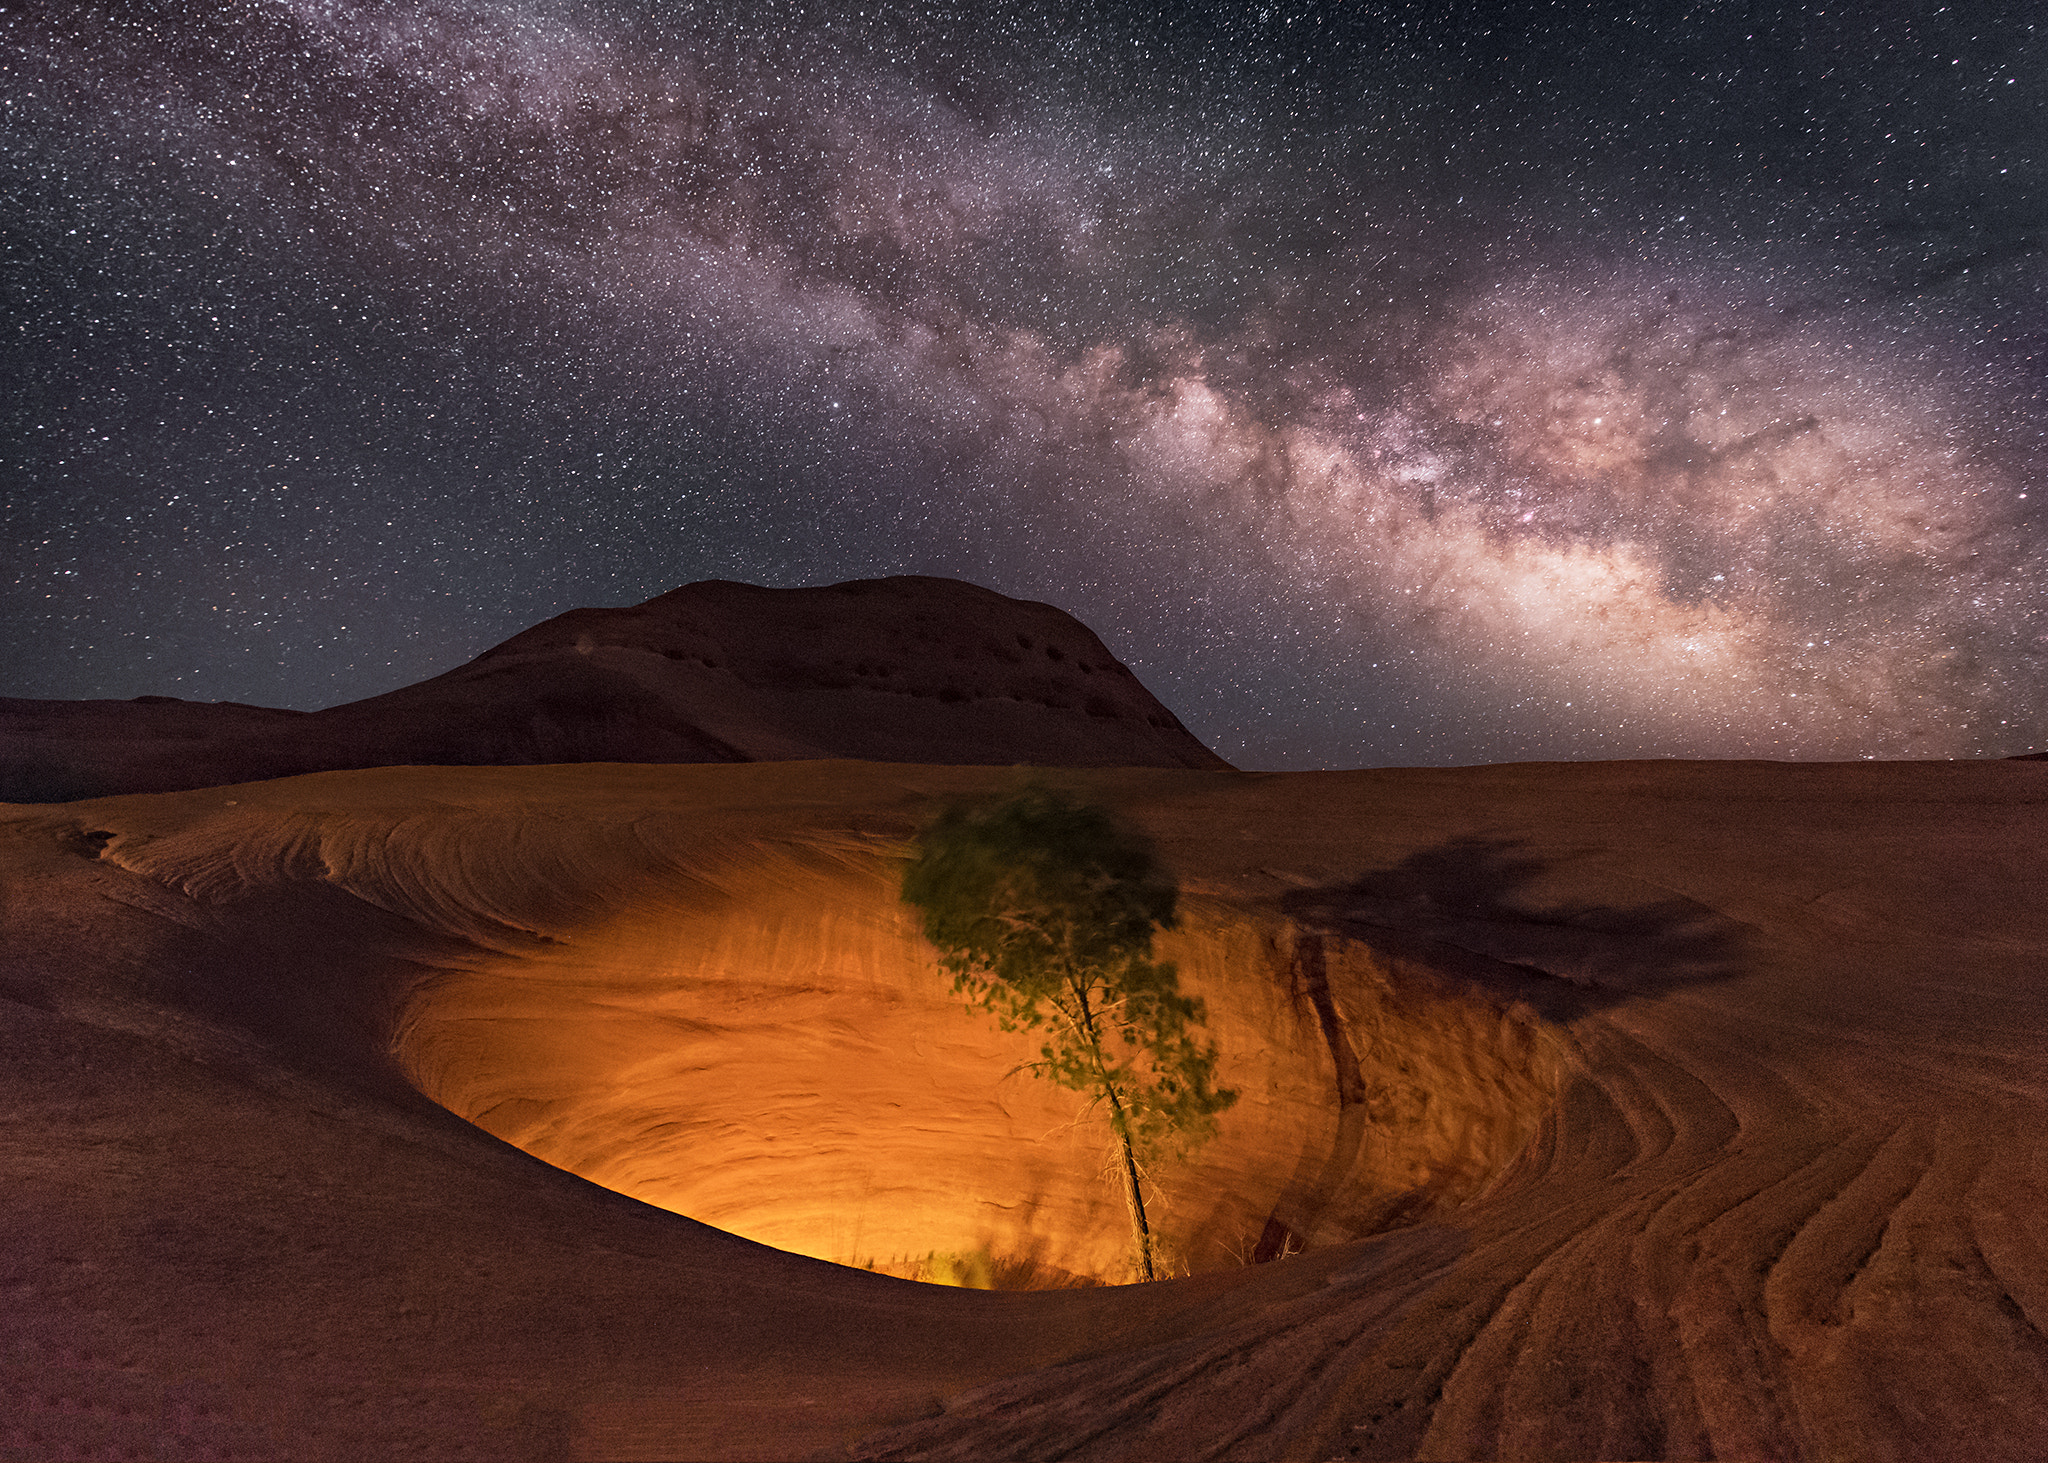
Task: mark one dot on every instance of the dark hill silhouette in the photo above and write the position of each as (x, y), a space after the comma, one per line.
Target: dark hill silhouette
(908, 669)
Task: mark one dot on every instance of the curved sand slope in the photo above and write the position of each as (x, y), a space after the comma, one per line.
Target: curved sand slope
(1700, 1108)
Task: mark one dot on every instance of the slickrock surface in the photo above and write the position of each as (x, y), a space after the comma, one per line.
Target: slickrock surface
(907, 669)
(1701, 1110)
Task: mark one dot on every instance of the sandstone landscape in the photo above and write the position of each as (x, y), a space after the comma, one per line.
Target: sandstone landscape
(615, 1107)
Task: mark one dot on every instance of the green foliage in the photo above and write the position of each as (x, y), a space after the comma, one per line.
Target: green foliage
(967, 1269)
(1044, 909)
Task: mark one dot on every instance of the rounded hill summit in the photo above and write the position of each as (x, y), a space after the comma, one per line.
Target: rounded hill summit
(905, 669)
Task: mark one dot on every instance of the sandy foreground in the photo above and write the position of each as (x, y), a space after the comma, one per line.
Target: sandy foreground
(1620, 1110)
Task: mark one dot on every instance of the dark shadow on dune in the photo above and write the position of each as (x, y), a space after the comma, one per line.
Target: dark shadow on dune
(1473, 908)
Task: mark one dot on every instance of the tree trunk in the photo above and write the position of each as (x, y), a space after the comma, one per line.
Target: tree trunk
(1132, 1194)
(1120, 1122)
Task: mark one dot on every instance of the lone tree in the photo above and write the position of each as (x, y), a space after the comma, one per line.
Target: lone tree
(1044, 910)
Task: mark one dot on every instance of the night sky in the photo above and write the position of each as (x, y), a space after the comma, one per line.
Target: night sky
(1383, 384)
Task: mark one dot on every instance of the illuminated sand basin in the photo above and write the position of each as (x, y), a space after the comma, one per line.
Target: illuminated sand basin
(1710, 1098)
(758, 1037)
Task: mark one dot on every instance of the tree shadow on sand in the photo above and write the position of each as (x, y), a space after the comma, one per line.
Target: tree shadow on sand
(1475, 908)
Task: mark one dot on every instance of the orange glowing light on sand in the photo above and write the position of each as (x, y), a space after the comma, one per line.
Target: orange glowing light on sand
(768, 1046)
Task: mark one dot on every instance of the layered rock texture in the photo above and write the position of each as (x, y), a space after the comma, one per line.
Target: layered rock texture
(898, 670)
(1666, 1110)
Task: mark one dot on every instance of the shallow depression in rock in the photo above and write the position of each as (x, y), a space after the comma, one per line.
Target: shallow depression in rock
(759, 1038)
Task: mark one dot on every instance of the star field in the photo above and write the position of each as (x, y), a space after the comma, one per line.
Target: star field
(1384, 385)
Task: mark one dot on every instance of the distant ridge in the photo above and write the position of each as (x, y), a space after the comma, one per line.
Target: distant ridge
(905, 669)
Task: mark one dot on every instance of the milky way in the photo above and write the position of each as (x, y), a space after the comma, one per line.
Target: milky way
(1383, 390)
